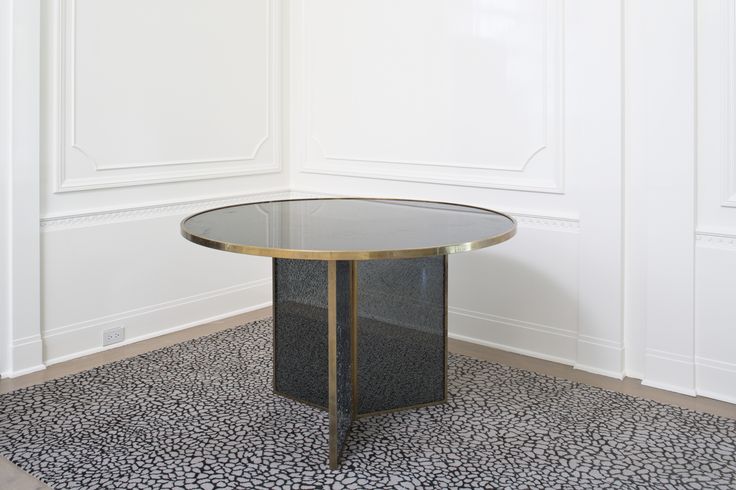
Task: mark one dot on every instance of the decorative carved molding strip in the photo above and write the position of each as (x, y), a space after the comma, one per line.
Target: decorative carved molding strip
(716, 240)
(532, 220)
(104, 217)
(548, 222)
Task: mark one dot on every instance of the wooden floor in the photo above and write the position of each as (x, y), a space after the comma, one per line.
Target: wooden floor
(12, 477)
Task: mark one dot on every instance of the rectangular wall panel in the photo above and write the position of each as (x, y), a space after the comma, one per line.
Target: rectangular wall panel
(715, 316)
(193, 94)
(465, 93)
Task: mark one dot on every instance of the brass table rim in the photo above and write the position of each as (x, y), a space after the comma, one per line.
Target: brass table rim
(403, 253)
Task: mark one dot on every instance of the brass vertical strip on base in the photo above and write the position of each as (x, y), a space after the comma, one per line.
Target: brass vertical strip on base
(274, 323)
(354, 333)
(332, 362)
(446, 262)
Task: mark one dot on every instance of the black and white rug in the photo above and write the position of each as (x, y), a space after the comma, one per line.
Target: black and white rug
(201, 415)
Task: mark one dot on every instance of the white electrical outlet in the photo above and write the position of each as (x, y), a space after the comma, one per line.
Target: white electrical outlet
(113, 335)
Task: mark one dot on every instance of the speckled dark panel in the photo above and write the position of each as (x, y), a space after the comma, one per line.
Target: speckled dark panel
(344, 376)
(401, 333)
(300, 330)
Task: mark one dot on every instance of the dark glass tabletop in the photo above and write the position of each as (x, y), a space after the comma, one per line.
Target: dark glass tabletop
(348, 228)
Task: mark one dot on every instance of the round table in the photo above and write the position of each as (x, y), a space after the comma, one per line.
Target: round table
(359, 295)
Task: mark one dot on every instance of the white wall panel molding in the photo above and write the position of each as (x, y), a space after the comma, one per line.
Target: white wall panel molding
(521, 337)
(84, 338)
(729, 103)
(156, 210)
(662, 154)
(130, 111)
(20, 312)
(594, 107)
(479, 127)
(6, 137)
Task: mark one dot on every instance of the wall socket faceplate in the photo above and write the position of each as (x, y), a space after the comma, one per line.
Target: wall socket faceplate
(113, 335)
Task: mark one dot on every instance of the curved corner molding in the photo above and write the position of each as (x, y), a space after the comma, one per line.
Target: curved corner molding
(490, 166)
(131, 165)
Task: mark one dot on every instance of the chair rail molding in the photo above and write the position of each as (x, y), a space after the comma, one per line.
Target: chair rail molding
(77, 166)
(153, 210)
(714, 239)
(540, 220)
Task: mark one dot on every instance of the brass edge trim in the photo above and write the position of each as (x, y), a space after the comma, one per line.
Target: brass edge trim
(284, 253)
(400, 409)
(300, 400)
(334, 459)
(274, 309)
(354, 334)
(447, 307)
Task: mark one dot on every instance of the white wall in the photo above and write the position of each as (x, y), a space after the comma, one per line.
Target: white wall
(715, 223)
(6, 36)
(19, 158)
(140, 131)
(149, 111)
(681, 217)
(660, 128)
(604, 127)
(510, 105)
(6, 32)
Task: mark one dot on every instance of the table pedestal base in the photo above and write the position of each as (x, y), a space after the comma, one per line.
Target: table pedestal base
(359, 338)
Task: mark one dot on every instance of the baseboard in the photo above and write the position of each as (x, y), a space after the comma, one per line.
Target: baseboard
(669, 387)
(506, 348)
(599, 356)
(26, 357)
(22, 372)
(526, 338)
(716, 379)
(157, 333)
(670, 371)
(72, 341)
(596, 370)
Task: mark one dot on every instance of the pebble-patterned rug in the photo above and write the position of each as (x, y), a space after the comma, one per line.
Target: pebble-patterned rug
(201, 415)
